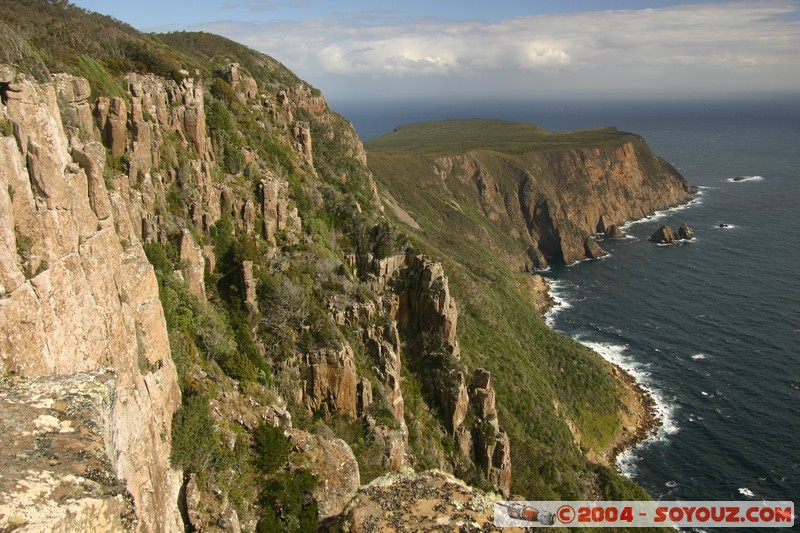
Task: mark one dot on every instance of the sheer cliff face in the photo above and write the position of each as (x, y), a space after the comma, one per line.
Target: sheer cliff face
(77, 293)
(564, 195)
(551, 201)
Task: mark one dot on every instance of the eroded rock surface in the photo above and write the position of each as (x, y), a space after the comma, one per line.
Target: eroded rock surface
(56, 473)
(77, 292)
(426, 501)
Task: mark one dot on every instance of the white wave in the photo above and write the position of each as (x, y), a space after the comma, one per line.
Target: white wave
(739, 179)
(700, 356)
(671, 484)
(627, 462)
(744, 491)
(579, 261)
(664, 408)
(725, 225)
(557, 289)
(659, 215)
(678, 242)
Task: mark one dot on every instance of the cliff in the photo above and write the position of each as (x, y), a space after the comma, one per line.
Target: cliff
(209, 322)
(497, 199)
(550, 192)
(78, 294)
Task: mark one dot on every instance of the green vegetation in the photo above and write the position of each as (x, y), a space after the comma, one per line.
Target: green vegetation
(6, 130)
(100, 80)
(222, 349)
(533, 368)
(460, 136)
(285, 495)
(212, 52)
(41, 37)
(194, 445)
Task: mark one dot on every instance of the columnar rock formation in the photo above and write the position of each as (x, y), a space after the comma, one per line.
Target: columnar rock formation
(419, 304)
(75, 283)
(77, 292)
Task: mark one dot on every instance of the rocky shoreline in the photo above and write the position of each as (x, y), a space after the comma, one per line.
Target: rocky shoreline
(641, 414)
(640, 420)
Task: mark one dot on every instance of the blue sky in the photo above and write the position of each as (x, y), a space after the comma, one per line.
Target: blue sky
(357, 49)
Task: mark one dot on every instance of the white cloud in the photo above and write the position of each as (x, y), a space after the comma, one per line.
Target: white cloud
(703, 47)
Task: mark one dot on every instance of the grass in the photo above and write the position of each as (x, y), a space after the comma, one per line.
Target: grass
(533, 368)
(460, 136)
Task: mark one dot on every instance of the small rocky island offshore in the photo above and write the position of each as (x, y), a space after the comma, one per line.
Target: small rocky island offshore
(667, 235)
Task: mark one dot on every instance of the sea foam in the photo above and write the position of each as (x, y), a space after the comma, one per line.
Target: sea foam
(664, 409)
(744, 491)
(741, 179)
(658, 215)
(557, 290)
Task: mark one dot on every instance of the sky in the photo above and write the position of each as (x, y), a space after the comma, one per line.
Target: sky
(504, 49)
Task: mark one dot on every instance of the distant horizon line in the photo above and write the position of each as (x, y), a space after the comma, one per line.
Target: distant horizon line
(768, 97)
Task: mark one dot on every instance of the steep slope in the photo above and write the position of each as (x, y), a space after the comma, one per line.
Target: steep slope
(193, 243)
(78, 294)
(493, 198)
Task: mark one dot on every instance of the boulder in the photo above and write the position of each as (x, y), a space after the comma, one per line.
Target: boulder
(592, 250)
(664, 235)
(333, 464)
(685, 232)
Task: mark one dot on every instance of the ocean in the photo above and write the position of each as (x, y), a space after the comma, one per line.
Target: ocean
(710, 327)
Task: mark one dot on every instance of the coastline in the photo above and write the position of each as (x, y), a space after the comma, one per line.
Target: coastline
(639, 414)
(640, 422)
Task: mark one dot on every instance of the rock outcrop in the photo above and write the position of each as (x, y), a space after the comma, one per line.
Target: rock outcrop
(78, 294)
(685, 232)
(666, 235)
(333, 462)
(57, 475)
(328, 381)
(421, 308)
(426, 501)
(613, 232)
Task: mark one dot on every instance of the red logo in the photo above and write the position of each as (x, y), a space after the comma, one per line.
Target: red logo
(565, 514)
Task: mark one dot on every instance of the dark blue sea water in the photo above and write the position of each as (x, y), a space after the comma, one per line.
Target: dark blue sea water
(711, 327)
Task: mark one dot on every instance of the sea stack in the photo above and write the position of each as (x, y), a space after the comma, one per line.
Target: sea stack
(664, 235)
(613, 232)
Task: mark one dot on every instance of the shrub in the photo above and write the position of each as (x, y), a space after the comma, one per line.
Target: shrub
(288, 505)
(270, 448)
(193, 436)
